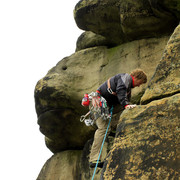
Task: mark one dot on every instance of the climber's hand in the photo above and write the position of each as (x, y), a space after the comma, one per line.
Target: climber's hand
(130, 106)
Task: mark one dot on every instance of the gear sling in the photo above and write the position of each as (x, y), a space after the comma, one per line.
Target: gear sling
(97, 108)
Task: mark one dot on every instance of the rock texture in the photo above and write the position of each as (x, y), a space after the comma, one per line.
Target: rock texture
(58, 95)
(166, 80)
(147, 143)
(121, 35)
(63, 165)
(73, 165)
(89, 39)
(126, 20)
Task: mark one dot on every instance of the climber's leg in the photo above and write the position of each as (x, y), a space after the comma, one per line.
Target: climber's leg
(98, 138)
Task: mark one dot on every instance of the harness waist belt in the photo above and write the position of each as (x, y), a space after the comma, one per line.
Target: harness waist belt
(109, 88)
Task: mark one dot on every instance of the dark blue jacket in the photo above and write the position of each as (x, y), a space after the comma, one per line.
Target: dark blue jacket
(121, 84)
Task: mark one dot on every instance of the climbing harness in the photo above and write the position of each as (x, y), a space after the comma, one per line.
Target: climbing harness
(111, 112)
(109, 88)
(97, 108)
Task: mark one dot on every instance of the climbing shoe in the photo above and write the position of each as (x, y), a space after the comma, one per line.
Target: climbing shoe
(93, 164)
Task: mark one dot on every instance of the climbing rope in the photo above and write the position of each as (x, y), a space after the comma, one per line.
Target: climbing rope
(111, 111)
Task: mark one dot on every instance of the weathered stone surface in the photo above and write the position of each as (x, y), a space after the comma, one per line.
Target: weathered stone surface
(166, 80)
(89, 39)
(58, 95)
(172, 6)
(63, 130)
(73, 165)
(147, 143)
(147, 138)
(62, 166)
(126, 20)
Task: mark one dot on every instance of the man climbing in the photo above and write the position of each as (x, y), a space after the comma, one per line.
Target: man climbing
(116, 90)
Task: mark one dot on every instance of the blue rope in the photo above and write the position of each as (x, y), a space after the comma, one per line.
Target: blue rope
(111, 111)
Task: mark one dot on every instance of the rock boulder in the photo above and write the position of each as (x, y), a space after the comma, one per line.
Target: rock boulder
(58, 95)
(126, 20)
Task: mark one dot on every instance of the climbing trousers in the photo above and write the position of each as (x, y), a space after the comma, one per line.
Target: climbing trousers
(98, 138)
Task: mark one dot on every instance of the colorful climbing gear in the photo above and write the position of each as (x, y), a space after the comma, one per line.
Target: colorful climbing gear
(97, 108)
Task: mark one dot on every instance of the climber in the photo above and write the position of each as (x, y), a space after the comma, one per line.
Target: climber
(116, 91)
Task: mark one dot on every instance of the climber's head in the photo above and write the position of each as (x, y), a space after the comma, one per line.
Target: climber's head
(139, 76)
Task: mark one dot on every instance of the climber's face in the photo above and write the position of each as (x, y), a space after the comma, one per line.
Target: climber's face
(137, 82)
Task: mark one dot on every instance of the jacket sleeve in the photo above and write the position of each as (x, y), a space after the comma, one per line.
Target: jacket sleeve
(121, 91)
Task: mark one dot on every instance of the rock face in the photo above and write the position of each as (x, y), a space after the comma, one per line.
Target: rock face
(147, 143)
(64, 163)
(147, 137)
(58, 95)
(89, 39)
(124, 35)
(126, 20)
(73, 164)
(166, 80)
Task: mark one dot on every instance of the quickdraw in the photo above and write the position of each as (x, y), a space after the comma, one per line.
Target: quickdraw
(97, 108)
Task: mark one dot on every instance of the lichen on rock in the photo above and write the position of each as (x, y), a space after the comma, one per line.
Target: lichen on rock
(146, 143)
